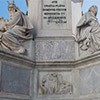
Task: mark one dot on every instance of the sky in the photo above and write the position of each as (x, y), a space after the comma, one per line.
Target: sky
(88, 3)
(22, 5)
(4, 7)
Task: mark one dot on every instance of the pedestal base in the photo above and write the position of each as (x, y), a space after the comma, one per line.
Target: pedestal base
(24, 79)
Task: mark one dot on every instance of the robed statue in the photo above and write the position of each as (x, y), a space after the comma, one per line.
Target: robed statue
(16, 30)
(88, 31)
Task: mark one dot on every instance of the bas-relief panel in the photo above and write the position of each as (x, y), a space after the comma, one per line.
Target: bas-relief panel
(90, 80)
(55, 83)
(55, 50)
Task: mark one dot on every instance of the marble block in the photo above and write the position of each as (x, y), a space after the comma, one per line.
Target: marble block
(90, 80)
(55, 50)
(15, 79)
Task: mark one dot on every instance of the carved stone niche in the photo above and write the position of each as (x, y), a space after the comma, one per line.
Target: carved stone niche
(54, 84)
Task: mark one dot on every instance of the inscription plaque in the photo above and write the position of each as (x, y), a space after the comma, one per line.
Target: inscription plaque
(54, 14)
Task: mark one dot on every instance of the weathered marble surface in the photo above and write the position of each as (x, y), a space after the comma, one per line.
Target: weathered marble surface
(43, 29)
(40, 73)
(14, 79)
(90, 80)
(15, 76)
(84, 80)
(55, 50)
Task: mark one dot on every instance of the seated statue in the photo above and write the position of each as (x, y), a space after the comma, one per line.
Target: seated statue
(15, 31)
(88, 31)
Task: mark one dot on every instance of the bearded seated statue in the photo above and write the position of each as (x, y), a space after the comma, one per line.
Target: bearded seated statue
(88, 31)
(15, 32)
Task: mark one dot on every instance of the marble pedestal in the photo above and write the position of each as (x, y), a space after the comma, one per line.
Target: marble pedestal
(21, 78)
(16, 76)
(53, 70)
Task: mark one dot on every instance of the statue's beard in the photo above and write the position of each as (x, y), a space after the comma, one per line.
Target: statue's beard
(11, 14)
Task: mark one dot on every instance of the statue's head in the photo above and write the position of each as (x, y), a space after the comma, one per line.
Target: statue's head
(12, 6)
(93, 9)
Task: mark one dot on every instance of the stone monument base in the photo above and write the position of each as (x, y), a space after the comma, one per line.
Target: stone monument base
(16, 76)
(21, 78)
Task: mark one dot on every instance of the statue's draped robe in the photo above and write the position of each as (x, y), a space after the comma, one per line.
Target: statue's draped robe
(88, 32)
(19, 30)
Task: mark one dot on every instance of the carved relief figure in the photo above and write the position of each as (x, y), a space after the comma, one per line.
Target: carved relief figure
(53, 83)
(16, 31)
(66, 88)
(53, 78)
(43, 87)
(88, 31)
